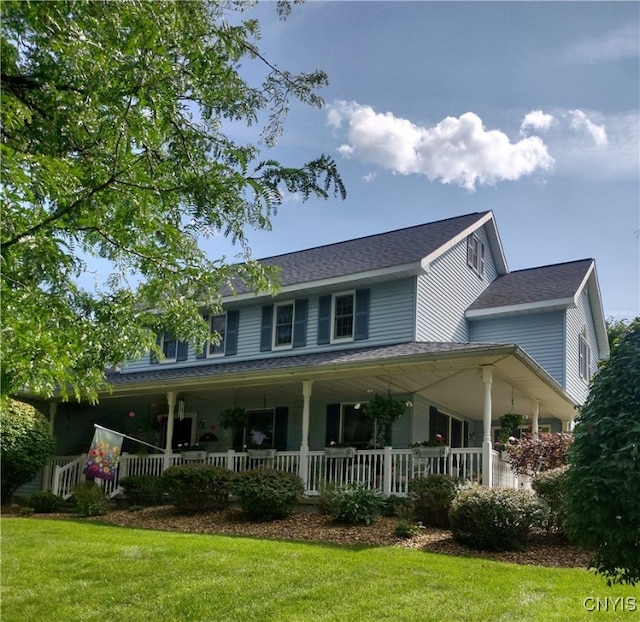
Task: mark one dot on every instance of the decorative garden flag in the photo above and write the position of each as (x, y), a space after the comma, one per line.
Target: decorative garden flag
(104, 454)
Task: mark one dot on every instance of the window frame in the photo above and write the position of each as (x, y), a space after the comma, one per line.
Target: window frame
(360, 444)
(247, 432)
(222, 345)
(163, 341)
(334, 299)
(274, 330)
(476, 254)
(584, 357)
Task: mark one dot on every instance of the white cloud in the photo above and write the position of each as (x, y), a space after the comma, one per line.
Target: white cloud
(581, 123)
(537, 121)
(455, 151)
(614, 45)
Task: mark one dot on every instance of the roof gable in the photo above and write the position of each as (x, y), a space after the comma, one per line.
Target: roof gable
(556, 285)
(377, 252)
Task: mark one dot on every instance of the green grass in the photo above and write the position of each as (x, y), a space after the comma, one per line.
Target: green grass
(71, 571)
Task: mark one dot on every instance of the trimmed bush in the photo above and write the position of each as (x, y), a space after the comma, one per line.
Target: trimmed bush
(197, 488)
(43, 502)
(265, 494)
(432, 496)
(143, 490)
(496, 519)
(396, 506)
(354, 504)
(550, 487)
(90, 500)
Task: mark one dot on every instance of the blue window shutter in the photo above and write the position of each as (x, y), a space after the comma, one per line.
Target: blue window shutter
(361, 319)
(153, 359)
(333, 424)
(182, 351)
(266, 332)
(433, 422)
(231, 335)
(465, 434)
(280, 428)
(324, 319)
(300, 323)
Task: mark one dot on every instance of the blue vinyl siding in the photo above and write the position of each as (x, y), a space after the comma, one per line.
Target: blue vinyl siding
(391, 320)
(577, 319)
(445, 292)
(541, 335)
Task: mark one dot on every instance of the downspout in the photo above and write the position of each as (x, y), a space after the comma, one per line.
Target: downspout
(487, 466)
(171, 401)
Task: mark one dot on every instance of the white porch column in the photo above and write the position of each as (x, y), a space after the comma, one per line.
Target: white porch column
(46, 471)
(171, 401)
(303, 467)
(535, 415)
(487, 467)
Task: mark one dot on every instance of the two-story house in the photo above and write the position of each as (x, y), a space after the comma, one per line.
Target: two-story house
(429, 314)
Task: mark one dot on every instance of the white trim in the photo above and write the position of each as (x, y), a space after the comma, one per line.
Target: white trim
(274, 323)
(221, 353)
(344, 294)
(542, 305)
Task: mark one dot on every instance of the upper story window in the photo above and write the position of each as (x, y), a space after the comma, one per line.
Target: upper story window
(169, 346)
(283, 325)
(475, 253)
(584, 357)
(343, 316)
(218, 330)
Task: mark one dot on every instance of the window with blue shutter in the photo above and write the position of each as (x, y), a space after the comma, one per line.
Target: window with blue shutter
(324, 319)
(266, 329)
(300, 323)
(361, 319)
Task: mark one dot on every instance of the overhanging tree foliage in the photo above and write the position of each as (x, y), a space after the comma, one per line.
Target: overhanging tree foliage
(114, 147)
(603, 480)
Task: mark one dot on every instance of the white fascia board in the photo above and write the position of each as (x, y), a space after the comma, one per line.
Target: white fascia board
(494, 238)
(542, 305)
(590, 281)
(342, 281)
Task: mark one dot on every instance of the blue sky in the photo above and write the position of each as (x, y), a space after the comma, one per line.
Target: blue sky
(436, 109)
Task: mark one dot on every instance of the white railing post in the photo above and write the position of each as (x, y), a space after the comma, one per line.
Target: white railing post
(387, 470)
(231, 459)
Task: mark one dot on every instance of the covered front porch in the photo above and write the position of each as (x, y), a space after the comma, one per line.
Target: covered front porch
(467, 385)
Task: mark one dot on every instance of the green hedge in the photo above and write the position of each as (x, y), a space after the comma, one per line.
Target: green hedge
(432, 497)
(144, 490)
(197, 488)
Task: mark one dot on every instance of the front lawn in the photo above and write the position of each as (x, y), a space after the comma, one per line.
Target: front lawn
(67, 570)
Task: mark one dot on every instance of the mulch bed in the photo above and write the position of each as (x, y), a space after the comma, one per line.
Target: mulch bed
(543, 550)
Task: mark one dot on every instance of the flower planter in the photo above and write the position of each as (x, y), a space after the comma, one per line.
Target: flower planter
(191, 456)
(340, 452)
(261, 454)
(431, 452)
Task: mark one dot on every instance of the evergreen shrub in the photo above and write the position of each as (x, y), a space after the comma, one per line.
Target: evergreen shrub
(197, 488)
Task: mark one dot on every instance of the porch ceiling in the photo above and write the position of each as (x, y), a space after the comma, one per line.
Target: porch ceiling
(449, 375)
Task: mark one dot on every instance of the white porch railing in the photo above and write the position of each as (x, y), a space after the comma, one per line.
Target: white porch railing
(387, 470)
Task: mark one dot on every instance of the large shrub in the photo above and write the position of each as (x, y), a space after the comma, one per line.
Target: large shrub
(432, 496)
(143, 490)
(550, 487)
(42, 502)
(265, 494)
(496, 519)
(197, 488)
(25, 445)
(354, 504)
(603, 480)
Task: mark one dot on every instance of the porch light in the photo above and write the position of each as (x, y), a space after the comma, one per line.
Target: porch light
(357, 406)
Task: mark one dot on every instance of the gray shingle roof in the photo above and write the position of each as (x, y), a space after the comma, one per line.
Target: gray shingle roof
(330, 358)
(373, 252)
(546, 283)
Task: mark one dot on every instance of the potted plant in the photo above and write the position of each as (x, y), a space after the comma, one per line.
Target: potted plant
(433, 448)
(383, 410)
(339, 450)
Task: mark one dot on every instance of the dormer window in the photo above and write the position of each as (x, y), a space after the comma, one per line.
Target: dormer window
(584, 357)
(475, 253)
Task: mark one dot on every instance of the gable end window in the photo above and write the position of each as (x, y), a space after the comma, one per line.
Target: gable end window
(584, 357)
(475, 253)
